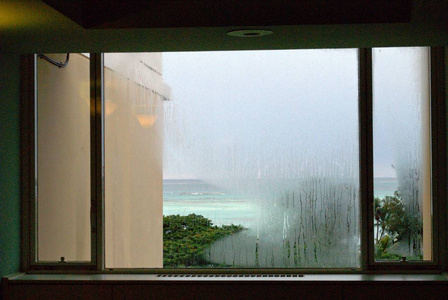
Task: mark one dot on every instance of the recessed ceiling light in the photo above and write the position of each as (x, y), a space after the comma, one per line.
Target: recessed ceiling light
(248, 33)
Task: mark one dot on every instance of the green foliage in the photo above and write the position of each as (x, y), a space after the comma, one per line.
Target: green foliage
(186, 237)
(386, 256)
(385, 242)
(394, 224)
(392, 217)
(381, 249)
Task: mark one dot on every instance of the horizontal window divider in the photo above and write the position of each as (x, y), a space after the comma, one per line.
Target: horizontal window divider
(63, 268)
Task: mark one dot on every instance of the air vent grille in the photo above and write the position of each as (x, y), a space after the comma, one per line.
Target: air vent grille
(229, 275)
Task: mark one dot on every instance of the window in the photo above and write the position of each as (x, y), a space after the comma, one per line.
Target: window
(248, 139)
(284, 159)
(402, 153)
(63, 185)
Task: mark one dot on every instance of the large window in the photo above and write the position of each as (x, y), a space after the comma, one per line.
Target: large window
(254, 160)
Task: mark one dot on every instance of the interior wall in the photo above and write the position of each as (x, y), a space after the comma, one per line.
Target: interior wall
(212, 39)
(9, 164)
(30, 26)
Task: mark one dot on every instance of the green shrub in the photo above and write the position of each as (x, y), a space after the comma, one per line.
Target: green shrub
(394, 223)
(186, 237)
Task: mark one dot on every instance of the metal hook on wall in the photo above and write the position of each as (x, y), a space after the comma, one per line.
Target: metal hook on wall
(58, 64)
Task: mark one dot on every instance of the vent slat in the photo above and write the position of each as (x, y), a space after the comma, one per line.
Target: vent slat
(229, 275)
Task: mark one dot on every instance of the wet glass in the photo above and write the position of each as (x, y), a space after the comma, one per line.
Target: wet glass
(244, 159)
(402, 154)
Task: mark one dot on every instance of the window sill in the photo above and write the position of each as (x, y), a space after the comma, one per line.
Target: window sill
(143, 286)
(142, 278)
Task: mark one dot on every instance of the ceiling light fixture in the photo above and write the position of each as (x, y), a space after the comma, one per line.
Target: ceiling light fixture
(248, 33)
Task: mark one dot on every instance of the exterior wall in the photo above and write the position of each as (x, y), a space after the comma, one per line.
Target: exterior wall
(133, 160)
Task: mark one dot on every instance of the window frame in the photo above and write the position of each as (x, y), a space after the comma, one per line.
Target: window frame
(438, 169)
(365, 102)
(29, 163)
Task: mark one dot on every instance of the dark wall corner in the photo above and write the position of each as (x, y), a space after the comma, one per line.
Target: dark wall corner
(9, 164)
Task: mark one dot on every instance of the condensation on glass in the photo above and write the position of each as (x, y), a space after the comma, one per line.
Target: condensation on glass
(63, 159)
(402, 154)
(265, 140)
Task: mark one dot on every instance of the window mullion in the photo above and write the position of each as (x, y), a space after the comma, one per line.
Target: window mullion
(438, 141)
(366, 155)
(27, 155)
(96, 135)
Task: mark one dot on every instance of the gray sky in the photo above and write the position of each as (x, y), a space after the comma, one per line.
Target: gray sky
(275, 113)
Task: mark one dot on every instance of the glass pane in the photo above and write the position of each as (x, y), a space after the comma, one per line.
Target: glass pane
(133, 160)
(251, 162)
(402, 154)
(63, 159)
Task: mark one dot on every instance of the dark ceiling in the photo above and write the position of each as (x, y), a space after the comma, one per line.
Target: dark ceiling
(118, 14)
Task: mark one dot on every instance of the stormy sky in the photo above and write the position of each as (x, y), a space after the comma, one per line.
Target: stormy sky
(273, 113)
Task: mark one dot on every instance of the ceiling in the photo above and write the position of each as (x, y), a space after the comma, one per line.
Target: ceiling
(118, 14)
(30, 26)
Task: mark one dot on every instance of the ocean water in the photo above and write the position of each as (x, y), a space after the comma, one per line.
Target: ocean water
(384, 186)
(188, 196)
(315, 224)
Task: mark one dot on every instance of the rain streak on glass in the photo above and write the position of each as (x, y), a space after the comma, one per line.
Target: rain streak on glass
(402, 154)
(232, 159)
(266, 141)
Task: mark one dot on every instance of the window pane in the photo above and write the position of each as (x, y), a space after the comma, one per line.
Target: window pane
(133, 160)
(260, 159)
(63, 159)
(402, 159)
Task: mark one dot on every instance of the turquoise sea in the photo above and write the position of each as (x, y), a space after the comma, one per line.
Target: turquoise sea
(187, 196)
